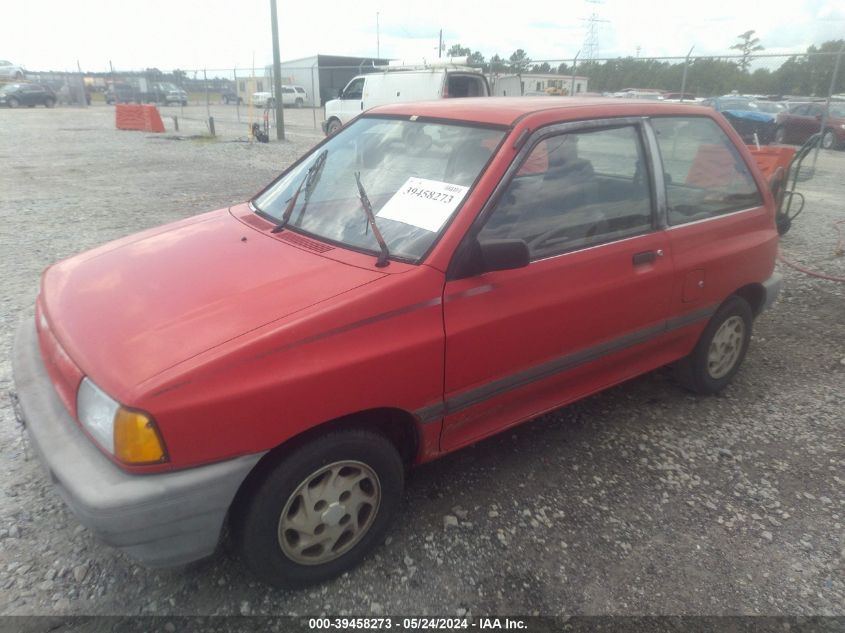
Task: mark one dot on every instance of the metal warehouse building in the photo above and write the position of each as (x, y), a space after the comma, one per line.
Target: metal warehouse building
(323, 76)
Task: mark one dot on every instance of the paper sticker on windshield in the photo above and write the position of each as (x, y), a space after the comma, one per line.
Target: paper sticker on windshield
(424, 203)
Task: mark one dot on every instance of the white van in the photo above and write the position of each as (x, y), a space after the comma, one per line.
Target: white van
(393, 86)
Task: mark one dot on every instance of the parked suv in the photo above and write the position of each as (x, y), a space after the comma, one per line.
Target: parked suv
(291, 96)
(804, 119)
(426, 277)
(27, 94)
(169, 94)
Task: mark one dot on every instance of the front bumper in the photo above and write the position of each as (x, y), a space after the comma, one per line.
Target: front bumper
(159, 519)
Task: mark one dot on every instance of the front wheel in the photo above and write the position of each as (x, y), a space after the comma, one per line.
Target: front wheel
(13, 102)
(828, 139)
(49, 102)
(333, 127)
(299, 103)
(720, 350)
(321, 509)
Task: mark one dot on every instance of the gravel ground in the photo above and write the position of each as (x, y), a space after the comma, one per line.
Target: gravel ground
(640, 500)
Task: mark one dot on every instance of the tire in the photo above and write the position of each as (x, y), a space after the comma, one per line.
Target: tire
(780, 135)
(274, 517)
(828, 140)
(299, 103)
(333, 127)
(720, 351)
(49, 102)
(13, 102)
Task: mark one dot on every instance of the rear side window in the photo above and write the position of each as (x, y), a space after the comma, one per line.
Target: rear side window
(574, 191)
(704, 173)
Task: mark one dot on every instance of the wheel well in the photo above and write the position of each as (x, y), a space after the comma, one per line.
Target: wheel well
(755, 295)
(396, 425)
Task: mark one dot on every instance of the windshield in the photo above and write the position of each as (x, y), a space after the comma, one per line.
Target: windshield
(415, 174)
(9, 88)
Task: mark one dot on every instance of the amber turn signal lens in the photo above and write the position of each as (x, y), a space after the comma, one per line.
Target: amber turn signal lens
(136, 439)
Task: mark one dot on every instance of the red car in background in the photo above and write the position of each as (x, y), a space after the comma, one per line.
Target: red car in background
(432, 274)
(805, 119)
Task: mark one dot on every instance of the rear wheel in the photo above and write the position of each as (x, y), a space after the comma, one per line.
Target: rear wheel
(321, 509)
(49, 102)
(299, 103)
(720, 350)
(780, 135)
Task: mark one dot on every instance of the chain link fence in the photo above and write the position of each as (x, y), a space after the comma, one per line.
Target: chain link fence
(234, 100)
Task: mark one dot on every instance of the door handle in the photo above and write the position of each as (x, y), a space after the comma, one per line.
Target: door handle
(647, 257)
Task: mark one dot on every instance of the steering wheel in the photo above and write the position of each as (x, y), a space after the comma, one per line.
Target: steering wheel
(560, 234)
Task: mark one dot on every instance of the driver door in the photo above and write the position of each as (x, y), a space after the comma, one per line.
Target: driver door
(352, 100)
(588, 311)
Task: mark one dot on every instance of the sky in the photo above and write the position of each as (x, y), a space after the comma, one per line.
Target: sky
(225, 34)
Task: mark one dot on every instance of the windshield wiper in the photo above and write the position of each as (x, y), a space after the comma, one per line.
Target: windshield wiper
(312, 176)
(368, 210)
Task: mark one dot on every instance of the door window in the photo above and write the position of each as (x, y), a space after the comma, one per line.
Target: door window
(576, 190)
(355, 90)
(704, 173)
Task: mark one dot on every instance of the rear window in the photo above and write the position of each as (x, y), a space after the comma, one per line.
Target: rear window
(704, 173)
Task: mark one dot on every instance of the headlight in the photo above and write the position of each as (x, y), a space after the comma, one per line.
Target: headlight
(129, 435)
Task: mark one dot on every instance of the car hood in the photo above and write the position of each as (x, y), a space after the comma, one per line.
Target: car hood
(131, 309)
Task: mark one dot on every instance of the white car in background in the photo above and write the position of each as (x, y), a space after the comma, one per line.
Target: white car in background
(291, 96)
(9, 71)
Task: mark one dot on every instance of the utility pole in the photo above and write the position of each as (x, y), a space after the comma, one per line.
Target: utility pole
(684, 78)
(378, 45)
(440, 45)
(277, 75)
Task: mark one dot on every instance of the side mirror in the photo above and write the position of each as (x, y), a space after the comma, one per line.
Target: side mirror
(503, 254)
(476, 258)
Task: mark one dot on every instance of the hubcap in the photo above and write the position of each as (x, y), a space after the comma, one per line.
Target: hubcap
(827, 140)
(725, 347)
(329, 512)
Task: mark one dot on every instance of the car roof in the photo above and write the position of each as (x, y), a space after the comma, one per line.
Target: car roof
(508, 110)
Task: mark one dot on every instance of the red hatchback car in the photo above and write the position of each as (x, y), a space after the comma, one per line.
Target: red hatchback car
(431, 275)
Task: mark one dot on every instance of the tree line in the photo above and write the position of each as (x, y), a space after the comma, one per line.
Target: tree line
(808, 74)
